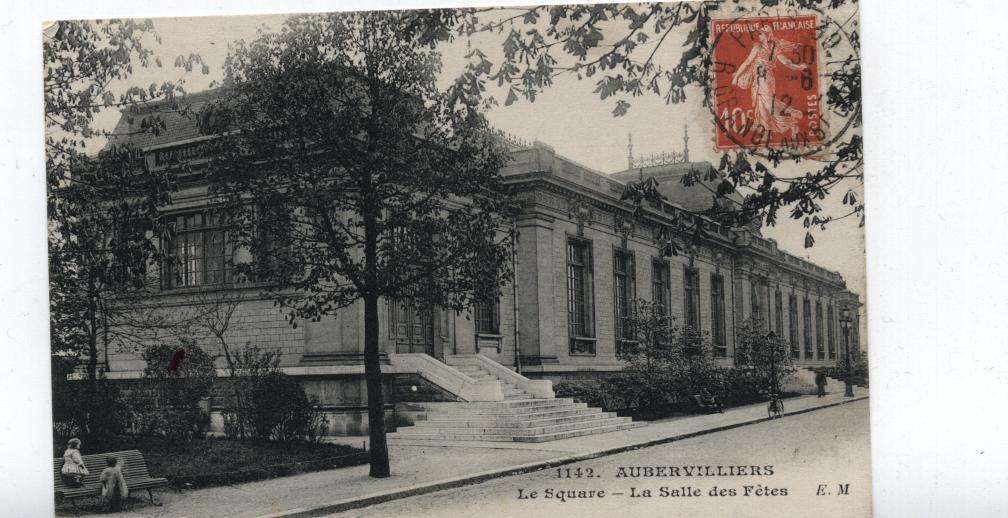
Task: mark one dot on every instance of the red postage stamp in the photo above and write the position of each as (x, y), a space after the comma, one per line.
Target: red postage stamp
(766, 83)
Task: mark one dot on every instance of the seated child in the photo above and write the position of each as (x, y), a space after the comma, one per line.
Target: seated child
(73, 469)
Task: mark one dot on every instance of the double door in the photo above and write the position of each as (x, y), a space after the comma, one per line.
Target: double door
(419, 328)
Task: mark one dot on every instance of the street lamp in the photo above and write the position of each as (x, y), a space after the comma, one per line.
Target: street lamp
(845, 324)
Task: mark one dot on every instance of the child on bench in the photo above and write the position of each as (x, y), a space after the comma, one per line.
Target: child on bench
(113, 484)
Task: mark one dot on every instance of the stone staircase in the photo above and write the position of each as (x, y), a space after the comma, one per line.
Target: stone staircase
(511, 390)
(517, 420)
(803, 382)
(516, 409)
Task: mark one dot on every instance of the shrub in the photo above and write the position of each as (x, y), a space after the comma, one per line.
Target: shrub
(740, 385)
(765, 356)
(859, 368)
(692, 366)
(604, 394)
(249, 369)
(645, 379)
(167, 399)
(79, 412)
(281, 411)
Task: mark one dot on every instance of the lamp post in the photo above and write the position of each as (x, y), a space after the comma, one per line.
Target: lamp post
(845, 324)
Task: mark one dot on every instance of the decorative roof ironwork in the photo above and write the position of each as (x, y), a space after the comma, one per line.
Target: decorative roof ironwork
(511, 139)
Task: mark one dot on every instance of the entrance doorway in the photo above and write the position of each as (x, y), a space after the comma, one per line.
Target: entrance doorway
(413, 325)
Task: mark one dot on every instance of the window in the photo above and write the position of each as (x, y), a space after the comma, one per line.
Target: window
(660, 285)
(820, 348)
(807, 327)
(487, 317)
(625, 286)
(197, 254)
(793, 326)
(767, 306)
(830, 333)
(691, 289)
(271, 246)
(580, 300)
(755, 313)
(718, 315)
(779, 313)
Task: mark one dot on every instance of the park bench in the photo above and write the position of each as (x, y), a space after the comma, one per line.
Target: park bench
(134, 470)
(706, 407)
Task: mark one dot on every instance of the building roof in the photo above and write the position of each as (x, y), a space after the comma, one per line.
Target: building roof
(178, 117)
(696, 198)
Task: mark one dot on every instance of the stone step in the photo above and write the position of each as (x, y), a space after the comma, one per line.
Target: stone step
(581, 432)
(510, 421)
(517, 432)
(421, 438)
(547, 414)
(465, 405)
(519, 412)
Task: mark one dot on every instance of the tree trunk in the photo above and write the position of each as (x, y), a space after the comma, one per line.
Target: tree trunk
(375, 399)
(91, 384)
(372, 367)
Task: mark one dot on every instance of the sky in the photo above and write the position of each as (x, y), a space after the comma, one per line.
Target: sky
(568, 116)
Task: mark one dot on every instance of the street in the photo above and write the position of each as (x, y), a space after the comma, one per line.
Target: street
(774, 468)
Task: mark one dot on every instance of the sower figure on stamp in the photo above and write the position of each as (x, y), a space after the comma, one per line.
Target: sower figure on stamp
(820, 381)
(756, 74)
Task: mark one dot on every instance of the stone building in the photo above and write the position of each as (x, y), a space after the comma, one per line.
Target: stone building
(581, 258)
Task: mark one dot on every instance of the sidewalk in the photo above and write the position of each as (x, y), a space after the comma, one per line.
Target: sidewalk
(419, 469)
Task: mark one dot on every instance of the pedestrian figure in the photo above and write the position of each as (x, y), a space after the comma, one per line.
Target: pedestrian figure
(820, 381)
(113, 484)
(73, 469)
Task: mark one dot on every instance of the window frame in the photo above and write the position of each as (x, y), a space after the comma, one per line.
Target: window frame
(793, 327)
(807, 327)
(691, 296)
(192, 270)
(624, 269)
(491, 308)
(719, 336)
(779, 312)
(820, 344)
(830, 332)
(581, 335)
(661, 285)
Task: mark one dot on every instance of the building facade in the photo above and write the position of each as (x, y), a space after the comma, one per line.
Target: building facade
(581, 259)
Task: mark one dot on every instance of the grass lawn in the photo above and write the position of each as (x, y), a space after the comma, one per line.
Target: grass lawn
(216, 462)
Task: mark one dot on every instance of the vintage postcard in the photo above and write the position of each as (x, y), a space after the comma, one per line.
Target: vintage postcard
(557, 260)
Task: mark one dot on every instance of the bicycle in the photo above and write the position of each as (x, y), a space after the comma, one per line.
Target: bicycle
(775, 408)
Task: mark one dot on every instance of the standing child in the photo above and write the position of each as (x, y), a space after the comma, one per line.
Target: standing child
(113, 484)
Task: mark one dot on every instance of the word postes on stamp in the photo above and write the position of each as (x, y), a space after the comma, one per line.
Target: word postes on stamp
(766, 83)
